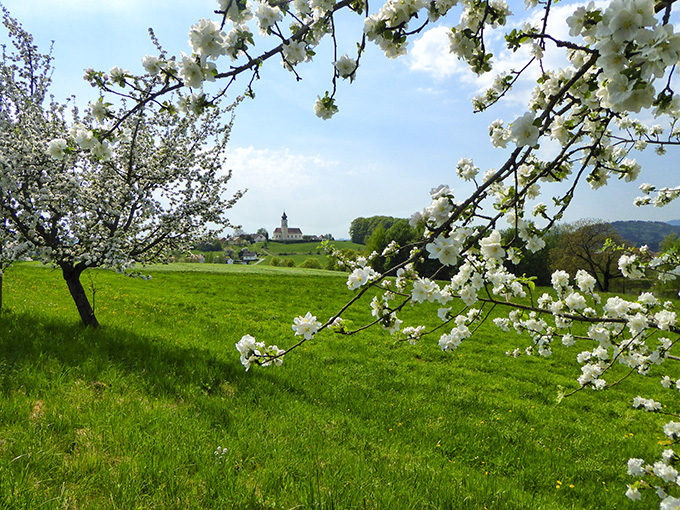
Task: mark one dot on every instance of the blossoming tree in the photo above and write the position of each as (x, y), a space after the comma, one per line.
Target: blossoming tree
(80, 202)
(619, 58)
(10, 249)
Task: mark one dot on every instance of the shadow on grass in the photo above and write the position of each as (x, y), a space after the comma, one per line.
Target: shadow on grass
(61, 346)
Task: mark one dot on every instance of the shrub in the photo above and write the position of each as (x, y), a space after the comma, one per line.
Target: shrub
(288, 263)
(275, 262)
(311, 263)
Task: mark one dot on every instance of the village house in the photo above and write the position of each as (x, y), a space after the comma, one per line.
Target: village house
(247, 256)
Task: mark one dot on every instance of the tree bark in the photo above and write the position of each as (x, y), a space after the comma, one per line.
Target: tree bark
(72, 277)
(606, 279)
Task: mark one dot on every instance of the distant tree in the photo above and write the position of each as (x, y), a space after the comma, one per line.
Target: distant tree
(275, 261)
(361, 228)
(670, 244)
(208, 244)
(581, 246)
(263, 232)
(358, 230)
(377, 243)
(402, 233)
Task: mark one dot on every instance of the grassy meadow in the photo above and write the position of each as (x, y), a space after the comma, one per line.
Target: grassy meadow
(299, 252)
(154, 411)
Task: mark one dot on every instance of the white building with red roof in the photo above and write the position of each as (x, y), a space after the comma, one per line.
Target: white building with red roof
(286, 233)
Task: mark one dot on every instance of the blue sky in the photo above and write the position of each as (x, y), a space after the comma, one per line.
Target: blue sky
(402, 127)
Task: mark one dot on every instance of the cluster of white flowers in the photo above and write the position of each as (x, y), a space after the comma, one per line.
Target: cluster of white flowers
(460, 332)
(360, 277)
(387, 27)
(413, 333)
(306, 326)
(325, 107)
(663, 196)
(252, 351)
(447, 249)
(220, 453)
(345, 66)
(465, 38)
(387, 317)
(647, 403)
(466, 169)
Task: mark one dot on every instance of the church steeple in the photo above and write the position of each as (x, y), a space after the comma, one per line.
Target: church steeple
(284, 226)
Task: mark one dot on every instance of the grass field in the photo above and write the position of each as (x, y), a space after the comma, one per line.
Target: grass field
(131, 415)
(299, 252)
(310, 248)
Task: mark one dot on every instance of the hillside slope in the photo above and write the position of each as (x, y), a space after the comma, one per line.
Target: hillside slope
(650, 233)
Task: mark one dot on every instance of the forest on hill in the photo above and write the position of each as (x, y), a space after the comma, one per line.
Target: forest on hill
(649, 233)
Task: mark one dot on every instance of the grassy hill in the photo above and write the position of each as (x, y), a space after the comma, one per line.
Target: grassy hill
(154, 411)
(309, 248)
(299, 252)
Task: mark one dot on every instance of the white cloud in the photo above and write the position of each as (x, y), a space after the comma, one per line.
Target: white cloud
(277, 170)
(431, 55)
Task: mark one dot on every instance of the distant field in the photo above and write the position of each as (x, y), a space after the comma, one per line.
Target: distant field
(131, 415)
(299, 252)
(305, 248)
(256, 269)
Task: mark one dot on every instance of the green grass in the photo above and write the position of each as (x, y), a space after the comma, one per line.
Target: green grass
(299, 252)
(308, 248)
(130, 415)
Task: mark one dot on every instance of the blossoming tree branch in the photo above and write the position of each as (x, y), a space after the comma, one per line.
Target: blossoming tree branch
(620, 58)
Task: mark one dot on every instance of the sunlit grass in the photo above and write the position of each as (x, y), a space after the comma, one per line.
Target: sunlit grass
(130, 415)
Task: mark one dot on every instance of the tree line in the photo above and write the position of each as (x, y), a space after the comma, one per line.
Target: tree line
(591, 245)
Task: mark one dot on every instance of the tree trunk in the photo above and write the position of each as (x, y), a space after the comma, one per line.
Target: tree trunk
(72, 277)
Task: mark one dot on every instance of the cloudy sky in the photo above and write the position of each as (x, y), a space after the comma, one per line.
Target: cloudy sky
(402, 127)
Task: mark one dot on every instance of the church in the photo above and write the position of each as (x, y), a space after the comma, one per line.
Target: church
(285, 233)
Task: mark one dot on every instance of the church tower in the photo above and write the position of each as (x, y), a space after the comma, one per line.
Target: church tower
(284, 227)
